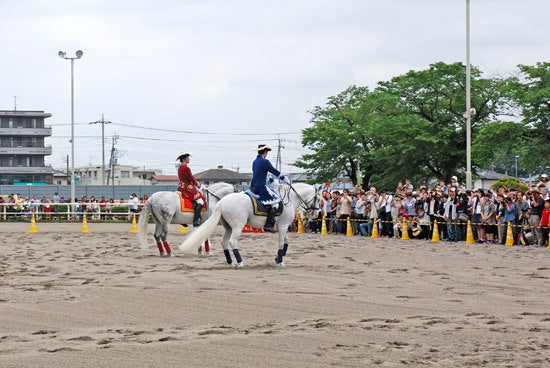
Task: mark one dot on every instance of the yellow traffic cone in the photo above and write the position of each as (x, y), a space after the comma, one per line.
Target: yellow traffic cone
(405, 231)
(375, 229)
(84, 224)
(469, 234)
(324, 226)
(509, 236)
(183, 229)
(33, 225)
(349, 230)
(300, 226)
(134, 224)
(435, 235)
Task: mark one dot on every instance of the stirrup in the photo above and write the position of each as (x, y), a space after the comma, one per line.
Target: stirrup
(270, 229)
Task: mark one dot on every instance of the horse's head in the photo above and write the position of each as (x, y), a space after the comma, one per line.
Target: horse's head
(307, 196)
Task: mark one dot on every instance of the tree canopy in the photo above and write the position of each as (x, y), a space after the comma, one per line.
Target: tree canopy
(413, 126)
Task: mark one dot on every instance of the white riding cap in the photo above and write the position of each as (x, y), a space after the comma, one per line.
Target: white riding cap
(261, 147)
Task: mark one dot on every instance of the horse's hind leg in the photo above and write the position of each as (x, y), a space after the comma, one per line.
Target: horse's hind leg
(233, 243)
(225, 242)
(161, 231)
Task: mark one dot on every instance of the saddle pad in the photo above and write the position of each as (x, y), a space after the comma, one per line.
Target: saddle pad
(260, 210)
(186, 205)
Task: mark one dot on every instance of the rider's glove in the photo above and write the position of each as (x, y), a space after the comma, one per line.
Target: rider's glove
(284, 179)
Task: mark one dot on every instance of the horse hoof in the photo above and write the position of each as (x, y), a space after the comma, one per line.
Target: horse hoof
(239, 265)
(281, 265)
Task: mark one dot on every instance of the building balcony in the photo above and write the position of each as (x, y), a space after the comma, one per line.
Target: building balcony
(29, 132)
(39, 151)
(26, 170)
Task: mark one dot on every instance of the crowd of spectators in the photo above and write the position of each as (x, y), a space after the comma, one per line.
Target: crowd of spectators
(448, 204)
(15, 205)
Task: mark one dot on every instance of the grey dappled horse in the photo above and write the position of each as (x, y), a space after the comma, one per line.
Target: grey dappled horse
(164, 207)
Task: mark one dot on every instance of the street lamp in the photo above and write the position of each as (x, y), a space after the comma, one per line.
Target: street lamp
(469, 111)
(517, 166)
(63, 55)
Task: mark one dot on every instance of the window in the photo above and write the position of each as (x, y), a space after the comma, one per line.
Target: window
(10, 123)
(11, 142)
(30, 123)
(125, 174)
(31, 142)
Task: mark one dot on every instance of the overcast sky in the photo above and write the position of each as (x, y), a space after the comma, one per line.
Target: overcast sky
(217, 78)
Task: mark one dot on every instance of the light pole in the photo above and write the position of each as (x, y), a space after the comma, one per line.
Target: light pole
(102, 122)
(517, 166)
(63, 55)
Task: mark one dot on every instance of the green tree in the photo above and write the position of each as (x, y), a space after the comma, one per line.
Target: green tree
(423, 132)
(338, 137)
(532, 93)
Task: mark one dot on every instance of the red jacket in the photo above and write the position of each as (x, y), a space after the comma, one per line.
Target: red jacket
(545, 218)
(188, 183)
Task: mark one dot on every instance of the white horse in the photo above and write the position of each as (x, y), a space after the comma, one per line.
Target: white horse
(236, 210)
(165, 209)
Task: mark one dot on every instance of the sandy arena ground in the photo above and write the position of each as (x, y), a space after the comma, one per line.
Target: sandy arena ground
(70, 299)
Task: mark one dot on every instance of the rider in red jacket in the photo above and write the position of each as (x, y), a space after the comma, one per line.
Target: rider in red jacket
(188, 187)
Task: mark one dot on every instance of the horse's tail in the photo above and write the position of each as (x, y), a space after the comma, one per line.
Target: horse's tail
(142, 225)
(200, 234)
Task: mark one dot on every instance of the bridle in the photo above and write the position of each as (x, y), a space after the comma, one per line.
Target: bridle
(303, 204)
(210, 193)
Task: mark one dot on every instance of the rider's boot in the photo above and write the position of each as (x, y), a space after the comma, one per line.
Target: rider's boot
(197, 214)
(270, 221)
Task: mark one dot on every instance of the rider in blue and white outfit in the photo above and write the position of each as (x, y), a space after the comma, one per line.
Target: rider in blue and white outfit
(260, 169)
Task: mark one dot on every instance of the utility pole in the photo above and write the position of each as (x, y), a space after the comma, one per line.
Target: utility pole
(278, 163)
(14, 103)
(102, 122)
(112, 162)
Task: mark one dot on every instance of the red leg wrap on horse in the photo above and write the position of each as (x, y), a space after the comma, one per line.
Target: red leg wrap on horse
(167, 248)
(159, 246)
(207, 246)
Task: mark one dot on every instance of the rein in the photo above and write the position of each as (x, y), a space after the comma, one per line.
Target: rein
(303, 203)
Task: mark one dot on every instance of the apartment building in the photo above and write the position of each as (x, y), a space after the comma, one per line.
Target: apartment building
(22, 148)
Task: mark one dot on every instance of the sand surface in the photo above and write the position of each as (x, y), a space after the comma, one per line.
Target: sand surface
(69, 299)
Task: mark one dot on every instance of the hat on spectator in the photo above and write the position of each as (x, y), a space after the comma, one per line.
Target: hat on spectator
(454, 178)
(544, 176)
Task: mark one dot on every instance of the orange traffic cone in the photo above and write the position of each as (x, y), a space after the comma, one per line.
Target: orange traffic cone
(509, 236)
(84, 224)
(405, 231)
(134, 224)
(349, 230)
(300, 225)
(435, 236)
(375, 229)
(324, 226)
(469, 234)
(33, 225)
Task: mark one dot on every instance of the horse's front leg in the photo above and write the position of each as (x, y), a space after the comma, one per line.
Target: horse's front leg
(283, 246)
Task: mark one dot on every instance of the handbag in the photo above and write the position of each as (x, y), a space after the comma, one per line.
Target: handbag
(463, 217)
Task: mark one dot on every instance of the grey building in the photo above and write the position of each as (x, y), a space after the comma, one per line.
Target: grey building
(22, 148)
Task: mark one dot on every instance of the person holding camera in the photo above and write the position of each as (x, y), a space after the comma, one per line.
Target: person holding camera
(534, 215)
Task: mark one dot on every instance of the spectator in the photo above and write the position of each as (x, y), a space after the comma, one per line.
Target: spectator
(545, 222)
(544, 180)
(534, 215)
(345, 209)
(133, 203)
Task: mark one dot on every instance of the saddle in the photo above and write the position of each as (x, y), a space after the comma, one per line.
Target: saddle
(259, 208)
(186, 205)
